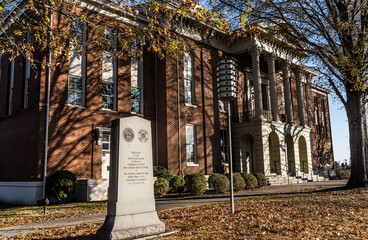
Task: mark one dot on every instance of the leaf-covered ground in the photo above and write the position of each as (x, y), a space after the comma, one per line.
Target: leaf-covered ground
(12, 216)
(340, 214)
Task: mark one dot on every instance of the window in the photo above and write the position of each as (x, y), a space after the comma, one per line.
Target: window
(108, 96)
(188, 79)
(136, 77)
(108, 72)
(27, 74)
(324, 125)
(76, 84)
(316, 117)
(11, 84)
(105, 144)
(191, 143)
(105, 166)
(224, 145)
(250, 94)
(291, 96)
(283, 99)
(75, 91)
(320, 161)
(327, 157)
(77, 31)
(265, 99)
(222, 106)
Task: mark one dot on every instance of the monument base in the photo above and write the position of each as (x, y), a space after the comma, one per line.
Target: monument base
(131, 226)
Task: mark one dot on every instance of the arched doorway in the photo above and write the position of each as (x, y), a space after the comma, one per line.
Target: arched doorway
(290, 153)
(274, 147)
(247, 154)
(303, 156)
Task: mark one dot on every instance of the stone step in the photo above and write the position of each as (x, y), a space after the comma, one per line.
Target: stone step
(289, 179)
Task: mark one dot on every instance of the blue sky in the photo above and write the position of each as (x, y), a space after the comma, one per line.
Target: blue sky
(340, 131)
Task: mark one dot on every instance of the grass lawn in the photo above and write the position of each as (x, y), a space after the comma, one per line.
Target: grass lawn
(13, 215)
(338, 214)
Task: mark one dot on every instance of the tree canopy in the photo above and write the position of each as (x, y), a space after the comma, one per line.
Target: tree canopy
(157, 24)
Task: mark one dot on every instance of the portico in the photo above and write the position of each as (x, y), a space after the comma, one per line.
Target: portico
(274, 138)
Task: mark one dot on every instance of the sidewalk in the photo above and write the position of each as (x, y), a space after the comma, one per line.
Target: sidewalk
(167, 203)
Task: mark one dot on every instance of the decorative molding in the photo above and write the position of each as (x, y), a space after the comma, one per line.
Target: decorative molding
(255, 50)
(285, 64)
(271, 58)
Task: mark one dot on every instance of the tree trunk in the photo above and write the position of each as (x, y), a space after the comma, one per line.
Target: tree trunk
(356, 112)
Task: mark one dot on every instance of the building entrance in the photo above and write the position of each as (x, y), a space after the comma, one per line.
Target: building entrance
(106, 142)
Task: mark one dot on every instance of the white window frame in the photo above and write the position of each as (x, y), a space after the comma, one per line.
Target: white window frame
(283, 99)
(82, 65)
(110, 56)
(189, 80)
(316, 116)
(11, 84)
(222, 106)
(194, 144)
(324, 123)
(224, 146)
(136, 69)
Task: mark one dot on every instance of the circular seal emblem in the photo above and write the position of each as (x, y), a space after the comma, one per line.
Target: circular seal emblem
(143, 135)
(128, 134)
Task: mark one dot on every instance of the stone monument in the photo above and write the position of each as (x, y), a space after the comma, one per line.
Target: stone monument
(131, 211)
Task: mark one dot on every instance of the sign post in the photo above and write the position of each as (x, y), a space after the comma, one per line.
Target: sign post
(227, 91)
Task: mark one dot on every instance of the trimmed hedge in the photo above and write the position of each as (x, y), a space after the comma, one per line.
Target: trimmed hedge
(250, 180)
(343, 174)
(62, 185)
(195, 183)
(161, 186)
(162, 172)
(239, 182)
(219, 183)
(262, 180)
(176, 182)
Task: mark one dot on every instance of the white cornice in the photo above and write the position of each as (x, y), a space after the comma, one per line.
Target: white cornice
(318, 89)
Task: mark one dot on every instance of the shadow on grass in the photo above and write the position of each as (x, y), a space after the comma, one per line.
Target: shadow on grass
(82, 237)
(252, 194)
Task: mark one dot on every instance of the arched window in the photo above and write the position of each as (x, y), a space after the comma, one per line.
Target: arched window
(189, 79)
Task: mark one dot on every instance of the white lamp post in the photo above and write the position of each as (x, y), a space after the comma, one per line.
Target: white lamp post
(227, 91)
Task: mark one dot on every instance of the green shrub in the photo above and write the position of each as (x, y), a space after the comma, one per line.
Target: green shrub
(343, 174)
(238, 181)
(195, 183)
(161, 186)
(219, 183)
(161, 172)
(250, 180)
(176, 182)
(62, 185)
(262, 180)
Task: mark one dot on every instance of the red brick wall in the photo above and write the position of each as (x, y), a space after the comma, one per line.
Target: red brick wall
(202, 114)
(19, 131)
(323, 143)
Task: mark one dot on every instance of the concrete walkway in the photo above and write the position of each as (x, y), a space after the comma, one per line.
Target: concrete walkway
(168, 203)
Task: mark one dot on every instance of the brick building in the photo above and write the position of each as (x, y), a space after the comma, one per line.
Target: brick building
(281, 123)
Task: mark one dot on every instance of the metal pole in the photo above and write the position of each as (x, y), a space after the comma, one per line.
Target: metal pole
(47, 113)
(230, 160)
(179, 115)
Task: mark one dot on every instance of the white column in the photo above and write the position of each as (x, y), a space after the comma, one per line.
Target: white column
(273, 89)
(255, 51)
(300, 95)
(288, 104)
